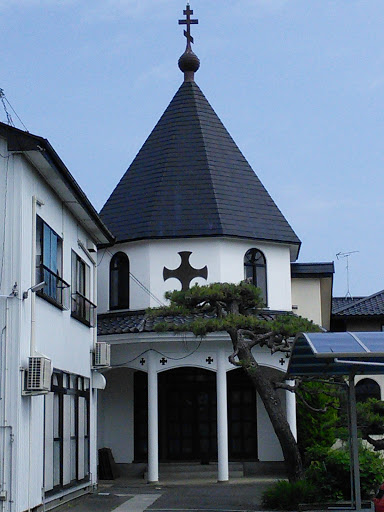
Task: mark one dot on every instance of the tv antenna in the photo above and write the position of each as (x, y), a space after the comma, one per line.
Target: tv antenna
(346, 255)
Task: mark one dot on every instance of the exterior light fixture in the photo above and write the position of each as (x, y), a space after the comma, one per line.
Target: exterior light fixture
(34, 289)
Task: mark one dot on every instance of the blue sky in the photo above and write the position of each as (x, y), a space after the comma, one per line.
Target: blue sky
(299, 84)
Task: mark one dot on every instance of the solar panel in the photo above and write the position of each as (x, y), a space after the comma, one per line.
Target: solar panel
(334, 343)
(374, 341)
(337, 353)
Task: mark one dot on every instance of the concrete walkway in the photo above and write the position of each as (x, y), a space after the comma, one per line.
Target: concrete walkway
(134, 495)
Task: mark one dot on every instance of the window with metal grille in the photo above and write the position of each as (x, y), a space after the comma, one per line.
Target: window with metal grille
(119, 281)
(49, 265)
(255, 271)
(81, 307)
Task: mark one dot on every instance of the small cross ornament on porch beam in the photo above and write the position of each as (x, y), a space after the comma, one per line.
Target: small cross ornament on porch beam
(188, 13)
(185, 272)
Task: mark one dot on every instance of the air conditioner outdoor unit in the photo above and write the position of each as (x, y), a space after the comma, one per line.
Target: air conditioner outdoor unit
(102, 355)
(39, 374)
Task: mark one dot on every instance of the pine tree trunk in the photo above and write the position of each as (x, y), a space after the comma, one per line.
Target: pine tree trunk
(275, 411)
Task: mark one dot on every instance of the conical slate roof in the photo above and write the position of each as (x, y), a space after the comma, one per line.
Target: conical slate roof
(191, 180)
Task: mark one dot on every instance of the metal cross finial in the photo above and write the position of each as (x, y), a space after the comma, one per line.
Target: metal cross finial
(188, 12)
(185, 272)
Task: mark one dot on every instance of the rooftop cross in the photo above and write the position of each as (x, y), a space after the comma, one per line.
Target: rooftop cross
(189, 63)
(188, 12)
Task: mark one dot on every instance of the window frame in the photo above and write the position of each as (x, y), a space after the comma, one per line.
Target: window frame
(82, 308)
(119, 277)
(77, 387)
(54, 291)
(255, 265)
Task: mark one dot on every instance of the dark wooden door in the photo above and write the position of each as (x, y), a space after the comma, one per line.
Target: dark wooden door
(242, 417)
(187, 416)
(187, 426)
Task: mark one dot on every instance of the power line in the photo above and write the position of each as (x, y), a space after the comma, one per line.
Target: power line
(136, 280)
(4, 100)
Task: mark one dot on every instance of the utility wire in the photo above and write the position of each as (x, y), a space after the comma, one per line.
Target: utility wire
(137, 281)
(4, 100)
(160, 353)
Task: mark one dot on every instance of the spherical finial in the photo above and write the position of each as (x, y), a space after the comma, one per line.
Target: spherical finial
(189, 61)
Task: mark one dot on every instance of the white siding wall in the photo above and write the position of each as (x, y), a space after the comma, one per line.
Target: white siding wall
(62, 338)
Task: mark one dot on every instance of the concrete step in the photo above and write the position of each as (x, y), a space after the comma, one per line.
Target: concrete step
(195, 470)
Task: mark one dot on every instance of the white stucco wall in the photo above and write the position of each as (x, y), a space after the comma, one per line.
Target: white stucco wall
(306, 298)
(269, 448)
(224, 259)
(115, 423)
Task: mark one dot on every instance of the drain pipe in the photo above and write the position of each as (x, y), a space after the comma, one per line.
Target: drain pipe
(93, 403)
(32, 348)
(35, 202)
(3, 393)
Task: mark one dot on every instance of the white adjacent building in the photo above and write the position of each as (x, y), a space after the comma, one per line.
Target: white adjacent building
(48, 249)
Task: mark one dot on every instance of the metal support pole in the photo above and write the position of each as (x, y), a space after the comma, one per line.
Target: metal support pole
(354, 445)
(153, 427)
(222, 418)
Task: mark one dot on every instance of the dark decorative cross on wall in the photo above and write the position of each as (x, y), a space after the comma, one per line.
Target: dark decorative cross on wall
(142, 361)
(282, 361)
(188, 12)
(163, 361)
(209, 360)
(185, 272)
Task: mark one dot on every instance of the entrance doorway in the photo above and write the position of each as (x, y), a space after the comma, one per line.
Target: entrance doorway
(188, 416)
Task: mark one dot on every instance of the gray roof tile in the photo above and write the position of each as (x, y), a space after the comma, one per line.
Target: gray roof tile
(138, 321)
(359, 306)
(190, 179)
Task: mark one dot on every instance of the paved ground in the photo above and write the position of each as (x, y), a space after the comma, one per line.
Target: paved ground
(239, 495)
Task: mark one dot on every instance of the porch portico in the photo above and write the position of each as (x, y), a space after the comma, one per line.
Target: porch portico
(177, 398)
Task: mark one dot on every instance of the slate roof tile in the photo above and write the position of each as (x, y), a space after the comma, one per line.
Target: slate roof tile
(359, 306)
(190, 179)
(129, 322)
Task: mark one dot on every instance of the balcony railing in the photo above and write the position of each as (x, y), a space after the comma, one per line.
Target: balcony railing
(83, 309)
(56, 290)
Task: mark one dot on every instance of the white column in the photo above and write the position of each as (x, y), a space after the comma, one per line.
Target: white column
(153, 427)
(222, 418)
(290, 402)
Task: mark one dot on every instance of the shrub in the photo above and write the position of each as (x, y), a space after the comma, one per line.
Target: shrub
(285, 495)
(317, 427)
(329, 471)
(326, 479)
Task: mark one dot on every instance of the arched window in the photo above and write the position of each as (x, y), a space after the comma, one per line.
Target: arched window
(255, 270)
(367, 388)
(119, 282)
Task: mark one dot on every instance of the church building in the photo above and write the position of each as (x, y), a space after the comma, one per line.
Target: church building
(190, 209)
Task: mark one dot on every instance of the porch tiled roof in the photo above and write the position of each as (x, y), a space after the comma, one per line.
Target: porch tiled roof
(129, 322)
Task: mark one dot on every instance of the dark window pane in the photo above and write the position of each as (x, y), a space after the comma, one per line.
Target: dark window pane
(255, 270)
(119, 282)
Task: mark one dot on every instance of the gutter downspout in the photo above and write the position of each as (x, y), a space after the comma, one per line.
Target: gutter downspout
(35, 202)
(93, 403)
(3, 393)
(32, 348)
